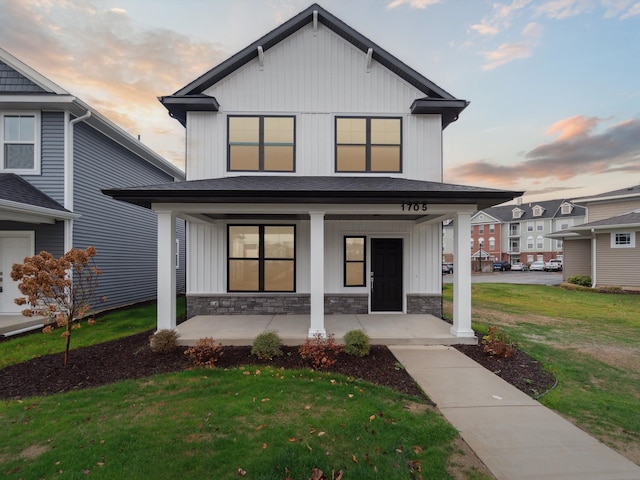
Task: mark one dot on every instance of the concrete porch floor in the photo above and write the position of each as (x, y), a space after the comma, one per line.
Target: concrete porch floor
(383, 329)
(13, 323)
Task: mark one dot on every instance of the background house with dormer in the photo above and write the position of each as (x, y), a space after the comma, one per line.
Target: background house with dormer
(606, 247)
(518, 233)
(56, 154)
(314, 182)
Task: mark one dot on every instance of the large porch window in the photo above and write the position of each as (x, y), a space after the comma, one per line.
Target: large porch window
(261, 258)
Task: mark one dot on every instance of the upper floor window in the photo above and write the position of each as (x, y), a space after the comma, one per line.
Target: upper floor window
(517, 212)
(538, 211)
(567, 208)
(368, 144)
(540, 226)
(481, 229)
(492, 228)
(261, 144)
(20, 140)
(530, 226)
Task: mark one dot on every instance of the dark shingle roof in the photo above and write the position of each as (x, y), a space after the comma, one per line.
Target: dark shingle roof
(552, 209)
(291, 189)
(16, 189)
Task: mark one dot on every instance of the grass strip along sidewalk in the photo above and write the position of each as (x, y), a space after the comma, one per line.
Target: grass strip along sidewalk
(589, 340)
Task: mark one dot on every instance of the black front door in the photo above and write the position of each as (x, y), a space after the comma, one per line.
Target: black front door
(386, 274)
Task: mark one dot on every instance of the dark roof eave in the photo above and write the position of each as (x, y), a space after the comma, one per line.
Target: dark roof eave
(450, 109)
(149, 197)
(178, 106)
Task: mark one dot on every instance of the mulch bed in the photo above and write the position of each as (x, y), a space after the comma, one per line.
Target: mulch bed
(131, 357)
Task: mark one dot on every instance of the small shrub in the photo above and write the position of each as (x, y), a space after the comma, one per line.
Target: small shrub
(267, 345)
(205, 353)
(164, 341)
(498, 343)
(323, 352)
(582, 280)
(356, 343)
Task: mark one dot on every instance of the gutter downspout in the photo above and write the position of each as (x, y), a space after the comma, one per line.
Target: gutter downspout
(68, 178)
(594, 259)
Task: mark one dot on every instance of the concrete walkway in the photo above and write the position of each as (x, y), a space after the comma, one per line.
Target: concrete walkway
(515, 436)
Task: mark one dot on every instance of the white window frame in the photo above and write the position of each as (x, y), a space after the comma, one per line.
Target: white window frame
(538, 211)
(517, 212)
(615, 240)
(492, 243)
(540, 226)
(530, 242)
(540, 242)
(566, 208)
(36, 142)
(492, 228)
(530, 226)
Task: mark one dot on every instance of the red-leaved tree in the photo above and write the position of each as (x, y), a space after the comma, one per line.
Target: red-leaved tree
(61, 289)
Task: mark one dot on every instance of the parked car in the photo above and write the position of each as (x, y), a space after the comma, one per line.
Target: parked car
(450, 265)
(537, 266)
(501, 266)
(446, 269)
(553, 265)
(519, 267)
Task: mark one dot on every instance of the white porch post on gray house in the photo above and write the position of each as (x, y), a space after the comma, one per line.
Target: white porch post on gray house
(316, 271)
(462, 276)
(166, 269)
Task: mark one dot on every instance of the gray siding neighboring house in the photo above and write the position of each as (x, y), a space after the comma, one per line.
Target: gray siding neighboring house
(607, 247)
(51, 199)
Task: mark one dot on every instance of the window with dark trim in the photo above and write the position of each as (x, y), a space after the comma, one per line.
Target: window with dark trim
(261, 258)
(355, 261)
(261, 143)
(368, 144)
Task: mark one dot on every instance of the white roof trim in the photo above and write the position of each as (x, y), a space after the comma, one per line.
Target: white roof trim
(31, 74)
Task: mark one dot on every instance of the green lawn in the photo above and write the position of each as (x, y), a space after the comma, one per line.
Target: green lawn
(590, 340)
(269, 423)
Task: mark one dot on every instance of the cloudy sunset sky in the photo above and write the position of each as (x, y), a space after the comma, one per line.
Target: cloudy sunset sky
(554, 85)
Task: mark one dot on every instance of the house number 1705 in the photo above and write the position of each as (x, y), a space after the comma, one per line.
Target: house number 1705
(414, 207)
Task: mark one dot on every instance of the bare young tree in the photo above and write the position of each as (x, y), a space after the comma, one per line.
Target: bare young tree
(61, 289)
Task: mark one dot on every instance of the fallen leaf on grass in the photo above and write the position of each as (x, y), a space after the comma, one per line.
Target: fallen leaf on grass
(372, 418)
(241, 472)
(354, 458)
(417, 449)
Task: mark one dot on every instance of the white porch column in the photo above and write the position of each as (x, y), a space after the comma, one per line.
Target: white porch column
(316, 271)
(461, 276)
(166, 269)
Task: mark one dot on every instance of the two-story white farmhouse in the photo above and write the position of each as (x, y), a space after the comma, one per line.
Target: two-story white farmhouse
(314, 183)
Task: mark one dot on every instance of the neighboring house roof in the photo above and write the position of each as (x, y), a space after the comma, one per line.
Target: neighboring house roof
(192, 97)
(314, 189)
(633, 191)
(551, 209)
(19, 197)
(21, 87)
(627, 220)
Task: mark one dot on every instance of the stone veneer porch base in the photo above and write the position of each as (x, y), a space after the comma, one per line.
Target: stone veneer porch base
(297, 304)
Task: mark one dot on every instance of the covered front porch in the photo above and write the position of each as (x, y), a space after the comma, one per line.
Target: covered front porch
(397, 220)
(383, 329)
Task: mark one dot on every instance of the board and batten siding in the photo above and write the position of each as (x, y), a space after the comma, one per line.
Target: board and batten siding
(124, 235)
(617, 266)
(576, 258)
(207, 267)
(314, 76)
(51, 178)
(601, 211)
